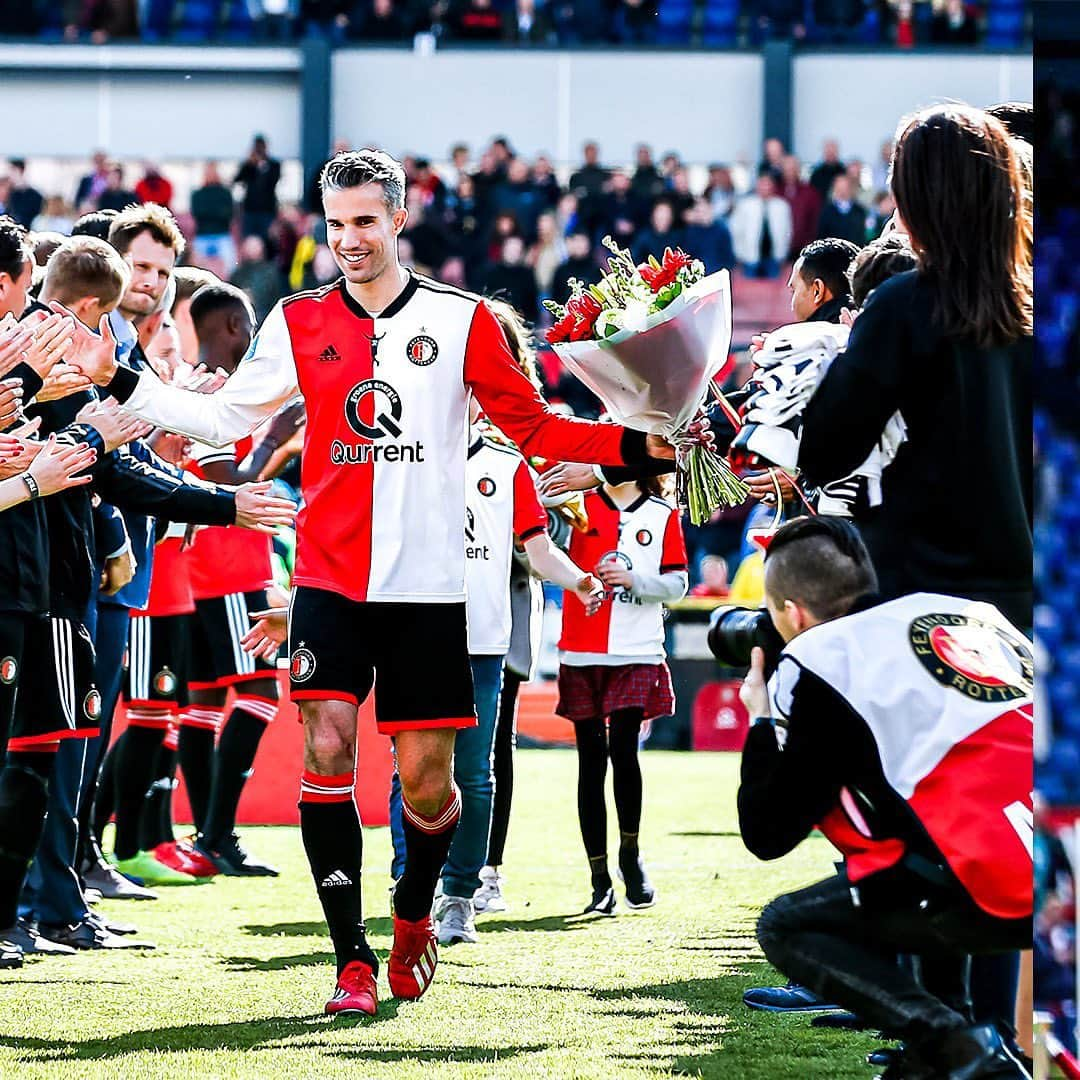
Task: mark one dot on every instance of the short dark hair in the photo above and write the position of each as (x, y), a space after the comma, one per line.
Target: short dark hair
(15, 249)
(1018, 118)
(828, 260)
(86, 266)
(821, 563)
(45, 243)
(219, 296)
(355, 168)
(95, 224)
(150, 218)
(189, 280)
(880, 260)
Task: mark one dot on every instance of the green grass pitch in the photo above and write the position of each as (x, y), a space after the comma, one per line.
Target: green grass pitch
(242, 969)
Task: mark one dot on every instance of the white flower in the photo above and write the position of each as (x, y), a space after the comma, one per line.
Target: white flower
(635, 316)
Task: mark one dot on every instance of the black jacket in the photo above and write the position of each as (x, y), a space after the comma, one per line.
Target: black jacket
(121, 479)
(957, 500)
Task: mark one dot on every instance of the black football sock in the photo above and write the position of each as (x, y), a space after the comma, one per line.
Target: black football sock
(591, 739)
(232, 766)
(196, 753)
(427, 843)
(504, 768)
(24, 787)
(334, 841)
(626, 775)
(155, 825)
(134, 775)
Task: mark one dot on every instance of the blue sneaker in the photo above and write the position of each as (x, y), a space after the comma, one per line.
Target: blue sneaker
(790, 998)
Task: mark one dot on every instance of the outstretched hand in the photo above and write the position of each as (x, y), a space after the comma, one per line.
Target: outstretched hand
(257, 509)
(94, 355)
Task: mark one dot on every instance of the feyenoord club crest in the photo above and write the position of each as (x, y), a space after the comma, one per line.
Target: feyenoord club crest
(302, 664)
(486, 486)
(644, 537)
(9, 669)
(616, 556)
(92, 705)
(979, 659)
(164, 683)
(422, 350)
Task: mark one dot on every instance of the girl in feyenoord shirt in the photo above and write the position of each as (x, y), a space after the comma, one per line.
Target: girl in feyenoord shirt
(612, 675)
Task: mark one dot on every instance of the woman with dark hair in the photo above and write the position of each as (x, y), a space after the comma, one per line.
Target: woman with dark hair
(949, 345)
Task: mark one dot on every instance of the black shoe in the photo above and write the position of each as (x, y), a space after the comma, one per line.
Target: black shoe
(639, 890)
(11, 956)
(25, 935)
(603, 901)
(111, 925)
(790, 998)
(232, 860)
(112, 885)
(87, 935)
(977, 1053)
(841, 1021)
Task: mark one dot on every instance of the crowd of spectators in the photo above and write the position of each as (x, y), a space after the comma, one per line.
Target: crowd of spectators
(904, 23)
(496, 222)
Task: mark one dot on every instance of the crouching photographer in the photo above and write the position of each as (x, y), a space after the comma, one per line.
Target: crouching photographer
(902, 730)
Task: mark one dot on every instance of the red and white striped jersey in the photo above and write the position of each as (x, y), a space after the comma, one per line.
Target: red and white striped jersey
(943, 688)
(226, 559)
(500, 503)
(647, 538)
(383, 465)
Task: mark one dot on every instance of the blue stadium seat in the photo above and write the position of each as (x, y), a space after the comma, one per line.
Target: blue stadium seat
(157, 22)
(720, 25)
(237, 24)
(1005, 28)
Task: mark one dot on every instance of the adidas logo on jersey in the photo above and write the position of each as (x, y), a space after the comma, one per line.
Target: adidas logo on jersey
(338, 877)
(329, 353)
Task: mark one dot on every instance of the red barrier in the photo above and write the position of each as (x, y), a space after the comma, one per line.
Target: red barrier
(270, 795)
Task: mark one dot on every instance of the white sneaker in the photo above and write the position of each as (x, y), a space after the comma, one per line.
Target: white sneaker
(489, 897)
(455, 921)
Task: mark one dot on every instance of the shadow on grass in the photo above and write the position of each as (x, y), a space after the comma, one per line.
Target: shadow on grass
(447, 1054)
(543, 923)
(696, 833)
(310, 929)
(244, 1035)
(279, 963)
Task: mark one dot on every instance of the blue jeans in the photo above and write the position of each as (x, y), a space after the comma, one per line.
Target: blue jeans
(474, 775)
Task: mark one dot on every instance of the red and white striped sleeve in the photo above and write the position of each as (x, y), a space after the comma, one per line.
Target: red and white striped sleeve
(517, 407)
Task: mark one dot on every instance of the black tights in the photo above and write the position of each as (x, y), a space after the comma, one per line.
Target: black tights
(595, 745)
(505, 742)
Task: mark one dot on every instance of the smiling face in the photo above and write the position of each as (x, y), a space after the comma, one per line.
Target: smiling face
(362, 232)
(151, 263)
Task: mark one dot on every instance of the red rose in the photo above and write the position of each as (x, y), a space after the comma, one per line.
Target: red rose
(584, 311)
(561, 330)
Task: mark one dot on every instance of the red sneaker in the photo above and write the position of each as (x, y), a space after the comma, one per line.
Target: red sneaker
(176, 858)
(200, 865)
(356, 993)
(413, 958)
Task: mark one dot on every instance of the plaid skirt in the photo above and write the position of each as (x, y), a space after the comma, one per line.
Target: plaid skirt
(596, 690)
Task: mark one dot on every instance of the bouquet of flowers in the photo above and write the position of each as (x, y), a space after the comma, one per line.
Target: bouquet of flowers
(648, 340)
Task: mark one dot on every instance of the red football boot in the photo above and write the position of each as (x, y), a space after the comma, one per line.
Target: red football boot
(413, 958)
(176, 858)
(356, 993)
(200, 865)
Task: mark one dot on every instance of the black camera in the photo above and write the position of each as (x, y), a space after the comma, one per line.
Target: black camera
(734, 632)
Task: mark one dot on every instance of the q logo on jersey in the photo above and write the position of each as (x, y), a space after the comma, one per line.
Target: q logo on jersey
(644, 537)
(302, 664)
(979, 659)
(486, 486)
(386, 409)
(9, 670)
(422, 350)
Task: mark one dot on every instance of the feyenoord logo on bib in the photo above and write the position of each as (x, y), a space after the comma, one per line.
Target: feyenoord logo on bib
(616, 556)
(164, 683)
(92, 705)
(980, 660)
(422, 350)
(387, 410)
(644, 537)
(302, 664)
(486, 486)
(9, 669)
